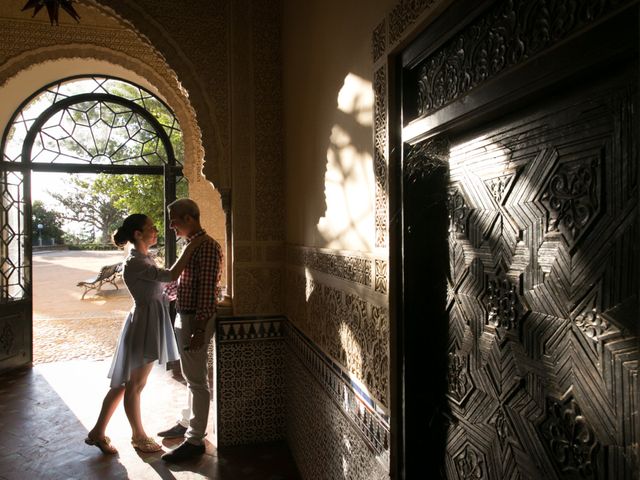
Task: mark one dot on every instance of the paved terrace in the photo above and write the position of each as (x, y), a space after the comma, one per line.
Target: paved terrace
(64, 326)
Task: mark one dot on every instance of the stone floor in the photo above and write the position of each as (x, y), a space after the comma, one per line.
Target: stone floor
(46, 411)
(65, 326)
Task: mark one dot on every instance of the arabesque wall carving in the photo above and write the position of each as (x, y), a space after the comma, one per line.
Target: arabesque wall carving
(354, 332)
(193, 38)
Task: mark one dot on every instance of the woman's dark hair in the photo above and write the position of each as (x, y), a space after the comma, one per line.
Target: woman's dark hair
(125, 233)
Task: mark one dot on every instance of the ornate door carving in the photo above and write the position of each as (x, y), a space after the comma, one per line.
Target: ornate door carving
(533, 298)
(542, 376)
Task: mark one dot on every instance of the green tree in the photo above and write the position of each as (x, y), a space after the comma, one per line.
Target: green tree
(90, 205)
(50, 220)
(106, 200)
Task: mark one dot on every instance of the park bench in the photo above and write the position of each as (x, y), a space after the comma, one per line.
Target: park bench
(108, 274)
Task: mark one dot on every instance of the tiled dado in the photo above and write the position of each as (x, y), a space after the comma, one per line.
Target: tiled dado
(359, 268)
(250, 385)
(367, 418)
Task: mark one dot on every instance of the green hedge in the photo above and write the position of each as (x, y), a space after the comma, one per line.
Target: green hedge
(92, 246)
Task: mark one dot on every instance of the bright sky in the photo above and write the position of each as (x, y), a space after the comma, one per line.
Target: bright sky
(41, 183)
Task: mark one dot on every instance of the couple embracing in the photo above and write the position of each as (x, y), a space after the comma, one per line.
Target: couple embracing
(147, 334)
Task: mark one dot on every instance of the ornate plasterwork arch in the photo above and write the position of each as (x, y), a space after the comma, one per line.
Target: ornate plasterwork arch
(165, 82)
(210, 105)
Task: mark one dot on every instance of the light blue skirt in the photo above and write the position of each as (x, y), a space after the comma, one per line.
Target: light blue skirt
(146, 336)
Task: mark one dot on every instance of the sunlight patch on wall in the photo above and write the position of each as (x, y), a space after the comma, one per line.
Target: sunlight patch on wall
(356, 98)
(348, 222)
(350, 345)
(309, 284)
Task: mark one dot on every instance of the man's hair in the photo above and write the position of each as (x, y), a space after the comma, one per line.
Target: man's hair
(185, 206)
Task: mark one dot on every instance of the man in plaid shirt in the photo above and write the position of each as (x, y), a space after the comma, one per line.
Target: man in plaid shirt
(196, 293)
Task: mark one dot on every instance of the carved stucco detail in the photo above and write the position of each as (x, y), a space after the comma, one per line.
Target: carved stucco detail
(379, 44)
(192, 37)
(269, 202)
(258, 290)
(349, 329)
(349, 267)
(380, 157)
(403, 15)
(382, 276)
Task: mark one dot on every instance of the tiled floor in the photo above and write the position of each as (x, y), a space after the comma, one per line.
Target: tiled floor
(46, 411)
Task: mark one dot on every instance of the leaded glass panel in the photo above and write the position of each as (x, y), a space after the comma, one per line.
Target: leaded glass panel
(13, 261)
(94, 132)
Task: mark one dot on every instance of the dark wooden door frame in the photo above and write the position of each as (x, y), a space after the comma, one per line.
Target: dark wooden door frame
(589, 51)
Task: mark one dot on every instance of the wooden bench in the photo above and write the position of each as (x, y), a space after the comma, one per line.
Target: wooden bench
(108, 274)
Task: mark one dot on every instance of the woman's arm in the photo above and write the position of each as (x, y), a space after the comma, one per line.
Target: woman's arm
(180, 263)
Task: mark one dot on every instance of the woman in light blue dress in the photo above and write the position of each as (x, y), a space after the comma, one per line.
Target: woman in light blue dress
(146, 335)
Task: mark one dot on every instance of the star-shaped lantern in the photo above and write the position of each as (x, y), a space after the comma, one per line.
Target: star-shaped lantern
(53, 7)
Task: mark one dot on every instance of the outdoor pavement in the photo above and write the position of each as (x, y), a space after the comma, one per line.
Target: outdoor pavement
(65, 327)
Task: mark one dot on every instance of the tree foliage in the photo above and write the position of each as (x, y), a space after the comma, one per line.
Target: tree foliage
(107, 199)
(90, 205)
(50, 220)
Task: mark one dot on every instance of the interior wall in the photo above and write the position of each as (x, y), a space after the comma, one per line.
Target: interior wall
(328, 117)
(337, 311)
(335, 81)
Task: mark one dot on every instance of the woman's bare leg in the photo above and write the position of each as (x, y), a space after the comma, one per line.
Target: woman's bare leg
(132, 391)
(109, 405)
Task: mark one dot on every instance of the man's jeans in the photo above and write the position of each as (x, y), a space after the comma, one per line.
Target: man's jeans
(195, 371)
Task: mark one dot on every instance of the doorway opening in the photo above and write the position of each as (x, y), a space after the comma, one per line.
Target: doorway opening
(79, 299)
(77, 157)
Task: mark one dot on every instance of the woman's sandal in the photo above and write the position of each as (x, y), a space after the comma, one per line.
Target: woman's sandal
(146, 445)
(104, 444)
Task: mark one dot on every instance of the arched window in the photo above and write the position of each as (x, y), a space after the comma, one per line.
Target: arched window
(88, 124)
(93, 121)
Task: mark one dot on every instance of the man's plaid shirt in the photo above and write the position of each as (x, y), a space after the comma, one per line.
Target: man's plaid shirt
(197, 287)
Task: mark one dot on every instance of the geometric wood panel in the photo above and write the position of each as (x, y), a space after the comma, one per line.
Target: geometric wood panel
(542, 290)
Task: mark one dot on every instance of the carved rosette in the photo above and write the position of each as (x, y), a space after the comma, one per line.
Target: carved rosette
(470, 464)
(572, 198)
(570, 439)
(501, 424)
(503, 306)
(593, 324)
(458, 212)
(499, 187)
(459, 381)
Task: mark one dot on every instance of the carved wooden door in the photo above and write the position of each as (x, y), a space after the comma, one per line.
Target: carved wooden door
(521, 261)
